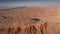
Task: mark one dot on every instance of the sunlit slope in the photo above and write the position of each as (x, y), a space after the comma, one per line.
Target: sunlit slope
(48, 14)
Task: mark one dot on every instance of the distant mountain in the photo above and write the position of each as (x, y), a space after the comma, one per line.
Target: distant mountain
(5, 7)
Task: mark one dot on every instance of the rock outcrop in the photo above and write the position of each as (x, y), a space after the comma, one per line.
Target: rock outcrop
(11, 25)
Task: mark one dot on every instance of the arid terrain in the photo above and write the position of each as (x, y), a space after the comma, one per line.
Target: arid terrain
(30, 16)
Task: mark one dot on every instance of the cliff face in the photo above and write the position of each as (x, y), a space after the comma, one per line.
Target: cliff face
(11, 25)
(33, 29)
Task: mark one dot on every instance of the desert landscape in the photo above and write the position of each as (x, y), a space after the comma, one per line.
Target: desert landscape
(30, 20)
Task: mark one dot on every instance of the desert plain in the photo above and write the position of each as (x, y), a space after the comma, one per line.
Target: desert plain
(27, 16)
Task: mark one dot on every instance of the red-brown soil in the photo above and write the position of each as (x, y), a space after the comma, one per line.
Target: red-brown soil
(26, 17)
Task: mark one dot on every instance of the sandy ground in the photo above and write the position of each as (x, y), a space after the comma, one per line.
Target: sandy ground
(49, 15)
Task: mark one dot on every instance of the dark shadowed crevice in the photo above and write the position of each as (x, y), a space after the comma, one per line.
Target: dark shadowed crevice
(4, 17)
(34, 29)
(35, 19)
(18, 29)
(41, 29)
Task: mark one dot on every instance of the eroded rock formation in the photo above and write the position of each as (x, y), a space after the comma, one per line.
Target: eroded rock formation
(11, 25)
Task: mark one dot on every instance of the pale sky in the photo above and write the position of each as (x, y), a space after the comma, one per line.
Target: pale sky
(52, 3)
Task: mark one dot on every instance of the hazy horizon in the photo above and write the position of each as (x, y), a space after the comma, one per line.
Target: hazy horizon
(17, 3)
